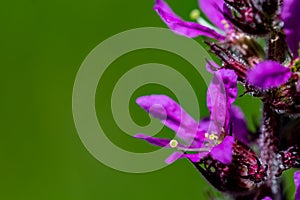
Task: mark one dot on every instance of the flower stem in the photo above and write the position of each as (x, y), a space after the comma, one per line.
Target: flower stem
(269, 147)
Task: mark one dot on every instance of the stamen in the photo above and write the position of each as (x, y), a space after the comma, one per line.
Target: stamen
(213, 137)
(203, 22)
(199, 150)
(206, 135)
(294, 68)
(195, 14)
(296, 65)
(225, 23)
(173, 143)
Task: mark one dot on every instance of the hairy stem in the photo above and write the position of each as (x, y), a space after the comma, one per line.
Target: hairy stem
(269, 147)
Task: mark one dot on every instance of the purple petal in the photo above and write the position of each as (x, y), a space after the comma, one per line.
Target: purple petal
(211, 66)
(239, 125)
(204, 124)
(171, 114)
(290, 15)
(221, 93)
(155, 141)
(162, 142)
(192, 157)
(196, 157)
(213, 11)
(297, 184)
(173, 157)
(267, 198)
(223, 151)
(229, 79)
(198, 139)
(227, 11)
(268, 74)
(216, 103)
(181, 27)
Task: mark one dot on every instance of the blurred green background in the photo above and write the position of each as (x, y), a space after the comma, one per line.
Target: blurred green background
(43, 45)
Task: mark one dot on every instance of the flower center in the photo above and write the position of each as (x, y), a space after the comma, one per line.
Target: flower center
(213, 139)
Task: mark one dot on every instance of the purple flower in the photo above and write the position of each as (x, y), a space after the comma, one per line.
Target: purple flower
(268, 74)
(188, 29)
(290, 15)
(197, 139)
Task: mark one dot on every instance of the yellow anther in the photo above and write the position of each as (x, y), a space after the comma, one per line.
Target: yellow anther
(195, 14)
(173, 143)
(213, 137)
(244, 46)
(294, 68)
(225, 23)
(296, 65)
(206, 135)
